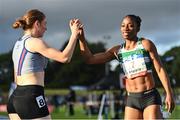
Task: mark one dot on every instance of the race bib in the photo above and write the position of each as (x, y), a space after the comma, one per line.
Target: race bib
(40, 101)
(134, 66)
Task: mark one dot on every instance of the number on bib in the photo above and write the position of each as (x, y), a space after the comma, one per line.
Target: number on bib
(40, 101)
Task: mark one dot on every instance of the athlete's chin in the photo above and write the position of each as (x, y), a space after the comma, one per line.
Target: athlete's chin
(126, 37)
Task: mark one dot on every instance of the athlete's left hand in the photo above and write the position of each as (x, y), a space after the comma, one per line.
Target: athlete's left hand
(169, 103)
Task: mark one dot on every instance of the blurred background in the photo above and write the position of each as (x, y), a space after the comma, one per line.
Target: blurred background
(78, 90)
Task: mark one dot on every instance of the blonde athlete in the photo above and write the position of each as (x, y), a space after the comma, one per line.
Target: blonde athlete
(136, 56)
(30, 55)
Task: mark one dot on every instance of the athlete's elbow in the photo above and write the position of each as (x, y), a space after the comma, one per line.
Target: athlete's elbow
(66, 60)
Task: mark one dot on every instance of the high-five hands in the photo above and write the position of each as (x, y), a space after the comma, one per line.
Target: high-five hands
(76, 26)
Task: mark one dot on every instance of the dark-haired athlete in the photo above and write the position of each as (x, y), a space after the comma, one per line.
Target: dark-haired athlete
(136, 56)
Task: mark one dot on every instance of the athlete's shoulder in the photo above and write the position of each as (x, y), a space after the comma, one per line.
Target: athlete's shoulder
(35, 41)
(34, 44)
(147, 43)
(117, 46)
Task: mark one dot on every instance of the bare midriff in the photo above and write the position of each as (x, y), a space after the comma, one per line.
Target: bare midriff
(140, 84)
(35, 78)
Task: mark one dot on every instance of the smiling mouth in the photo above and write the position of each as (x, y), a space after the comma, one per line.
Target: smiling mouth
(126, 33)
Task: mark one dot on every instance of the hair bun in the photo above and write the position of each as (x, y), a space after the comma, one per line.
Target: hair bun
(18, 23)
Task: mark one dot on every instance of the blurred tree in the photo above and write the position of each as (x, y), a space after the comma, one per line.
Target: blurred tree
(77, 72)
(171, 60)
(6, 70)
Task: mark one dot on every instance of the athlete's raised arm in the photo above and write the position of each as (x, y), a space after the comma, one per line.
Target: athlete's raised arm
(96, 58)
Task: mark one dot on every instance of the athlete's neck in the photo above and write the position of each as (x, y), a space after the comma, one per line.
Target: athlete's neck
(131, 43)
(30, 33)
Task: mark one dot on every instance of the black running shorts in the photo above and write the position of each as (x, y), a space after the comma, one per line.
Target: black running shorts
(143, 99)
(28, 102)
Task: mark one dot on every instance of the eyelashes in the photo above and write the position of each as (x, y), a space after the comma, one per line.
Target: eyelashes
(130, 26)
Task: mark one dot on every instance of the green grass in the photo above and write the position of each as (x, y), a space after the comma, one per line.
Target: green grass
(176, 113)
(62, 113)
(3, 113)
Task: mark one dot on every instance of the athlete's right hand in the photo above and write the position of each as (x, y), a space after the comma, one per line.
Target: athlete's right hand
(75, 26)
